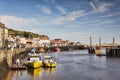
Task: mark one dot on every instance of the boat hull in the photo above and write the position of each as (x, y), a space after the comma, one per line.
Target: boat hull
(35, 64)
(98, 52)
(49, 65)
(101, 54)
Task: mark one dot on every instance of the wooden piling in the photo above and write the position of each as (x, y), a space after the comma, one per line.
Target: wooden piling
(91, 50)
(113, 52)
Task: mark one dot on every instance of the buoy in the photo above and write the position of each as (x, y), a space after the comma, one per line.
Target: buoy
(57, 50)
(41, 50)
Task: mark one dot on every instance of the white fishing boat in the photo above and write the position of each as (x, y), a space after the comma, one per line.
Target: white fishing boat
(34, 59)
(48, 61)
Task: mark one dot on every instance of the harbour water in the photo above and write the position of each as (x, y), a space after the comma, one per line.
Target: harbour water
(73, 65)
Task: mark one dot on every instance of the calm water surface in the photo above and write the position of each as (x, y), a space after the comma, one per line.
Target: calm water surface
(73, 65)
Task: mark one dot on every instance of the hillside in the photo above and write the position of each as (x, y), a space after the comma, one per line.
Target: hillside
(25, 34)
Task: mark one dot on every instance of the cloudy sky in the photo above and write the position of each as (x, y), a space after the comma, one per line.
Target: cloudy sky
(74, 20)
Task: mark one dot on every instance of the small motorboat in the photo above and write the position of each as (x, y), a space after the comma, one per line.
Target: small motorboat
(34, 60)
(57, 50)
(49, 62)
(99, 52)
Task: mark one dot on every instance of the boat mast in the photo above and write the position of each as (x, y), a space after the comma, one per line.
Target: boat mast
(113, 40)
(90, 41)
(100, 41)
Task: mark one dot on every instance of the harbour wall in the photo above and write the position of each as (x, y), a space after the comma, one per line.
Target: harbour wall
(7, 58)
(3, 67)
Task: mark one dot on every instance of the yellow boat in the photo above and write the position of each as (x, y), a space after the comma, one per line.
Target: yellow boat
(98, 51)
(34, 60)
(34, 64)
(53, 64)
(49, 62)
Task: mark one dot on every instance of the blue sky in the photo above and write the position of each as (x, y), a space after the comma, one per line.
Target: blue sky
(74, 20)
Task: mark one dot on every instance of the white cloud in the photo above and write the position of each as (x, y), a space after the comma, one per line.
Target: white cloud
(104, 7)
(58, 20)
(72, 16)
(61, 10)
(109, 22)
(33, 30)
(111, 15)
(101, 7)
(77, 14)
(44, 9)
(53, 1)
(75, 36)
(93, 6)
(17, 22)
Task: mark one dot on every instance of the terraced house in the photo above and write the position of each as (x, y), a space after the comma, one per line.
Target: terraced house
(3, 34)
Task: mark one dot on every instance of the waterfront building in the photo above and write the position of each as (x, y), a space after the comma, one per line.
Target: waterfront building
(29, 42)
(35, 42)
(44, 41)
(3, 34)
(72, 43)
(58, 42)
(22, 40)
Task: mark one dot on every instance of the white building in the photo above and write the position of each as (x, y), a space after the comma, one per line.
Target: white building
(44, 42)
(3, 34)
(21, 40)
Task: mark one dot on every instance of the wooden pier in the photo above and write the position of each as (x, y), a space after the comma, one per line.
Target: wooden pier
(91, 50)
(113, 52)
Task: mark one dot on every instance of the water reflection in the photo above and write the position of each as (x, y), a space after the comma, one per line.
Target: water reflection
(10, 75)
(50, 70)
(49, 74)
(13, 75)
(35, 72)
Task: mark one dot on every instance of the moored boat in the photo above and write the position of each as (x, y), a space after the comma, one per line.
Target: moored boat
(49, 62)
(57, 50)
(99, 52)
(34, 60)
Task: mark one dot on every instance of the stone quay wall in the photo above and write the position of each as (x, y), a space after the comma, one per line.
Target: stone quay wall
(9, 55)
